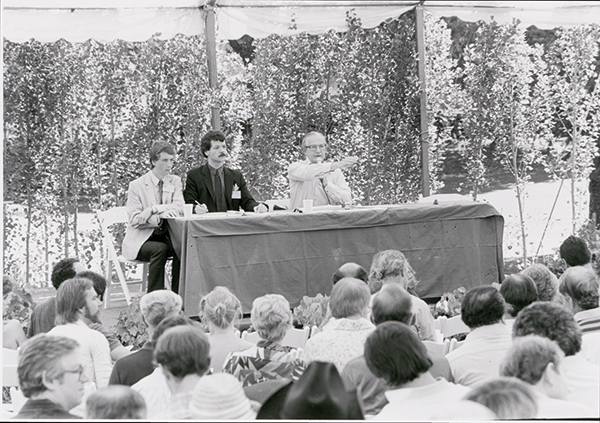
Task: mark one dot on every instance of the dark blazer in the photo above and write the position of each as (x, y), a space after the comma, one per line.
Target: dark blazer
(198, 187)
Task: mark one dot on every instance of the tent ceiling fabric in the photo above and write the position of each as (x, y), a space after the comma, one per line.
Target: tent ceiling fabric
(138, 20)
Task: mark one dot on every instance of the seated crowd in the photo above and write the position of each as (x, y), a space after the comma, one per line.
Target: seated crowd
(531, 351)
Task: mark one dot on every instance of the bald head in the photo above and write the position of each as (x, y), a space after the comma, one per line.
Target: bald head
(349, 297)
(350, 270)
(392, 303)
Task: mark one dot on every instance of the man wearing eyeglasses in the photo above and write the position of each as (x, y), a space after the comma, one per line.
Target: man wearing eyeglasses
(323, 182)
(51, 377)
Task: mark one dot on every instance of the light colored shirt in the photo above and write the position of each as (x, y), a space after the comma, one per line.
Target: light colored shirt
(589, 322)
(155, 391)
(424, 324)
(340, 341)
(305, 184)
(418, 404)
(552, 408)
(583, 381)
(93, 350)
(481, 354)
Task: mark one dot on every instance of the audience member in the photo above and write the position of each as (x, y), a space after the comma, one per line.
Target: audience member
(391, 303)
(116, 402)
(351, 270)
(556, 322)
(395, 353)
(99, 282)
(518, 292)
(183, 354)
(155, 307)
(462, 411)
(219, 310)
(76, 298)
(44, 314)
(220, 397)
(579, 285)
(546, 282)
(508, 397)
(51, 376)
(12, 334)
(318, 394)
(538, 362)
(268, 360)
(482, 352)
(575, 252)
(154, 387)
(343, 337)
(391, 266)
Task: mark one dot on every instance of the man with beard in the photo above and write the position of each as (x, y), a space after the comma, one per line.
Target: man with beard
(99, 282)
(76, 298)
(214, 187)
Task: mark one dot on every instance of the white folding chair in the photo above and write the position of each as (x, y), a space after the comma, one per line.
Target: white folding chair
(454, 344)
(453, 326)
(251, 336)
(296, 337)
(107, 219)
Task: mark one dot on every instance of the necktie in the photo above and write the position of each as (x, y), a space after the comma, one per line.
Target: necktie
(219, 197)
(160, 191)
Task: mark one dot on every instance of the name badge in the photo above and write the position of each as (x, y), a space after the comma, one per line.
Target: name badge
(236, 194)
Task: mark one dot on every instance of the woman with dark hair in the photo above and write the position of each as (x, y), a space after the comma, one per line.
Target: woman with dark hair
(518, 291)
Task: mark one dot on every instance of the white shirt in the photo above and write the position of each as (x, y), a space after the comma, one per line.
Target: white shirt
(155, 391)
(583, 381)
(549, 408)
(93, 349)
(589, 321)
(305, 184)
(481, 354)
(410, 404)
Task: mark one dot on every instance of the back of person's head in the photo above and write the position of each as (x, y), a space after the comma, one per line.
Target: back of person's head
(581, 285)
(157, 147)
(70, 299)
(116, 402)
(220, 307)
(183, 350)
(482, 306)
(39, 358)
(392, 303)
(575, 252)
(63, 270)
(271, 317)
(390, 264)
(507, 397)
(208, 138)
(158, 305)
(395, 353)
(168, 323)
(552, 321)
(99, 282)
(349, 297)
(220, 396)
(528, 358)
(351, 270)
(518, 292)
(545, 281)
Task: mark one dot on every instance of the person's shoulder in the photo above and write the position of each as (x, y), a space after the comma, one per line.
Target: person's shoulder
(236, 173)
(140, 181)
(197, 169)
(174, 179)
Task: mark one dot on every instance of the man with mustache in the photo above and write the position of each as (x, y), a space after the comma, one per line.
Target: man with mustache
(213, 187)
(323, 182)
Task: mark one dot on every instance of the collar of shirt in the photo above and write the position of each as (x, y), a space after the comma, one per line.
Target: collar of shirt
(214, 172)
(154, 179)
(489, 332)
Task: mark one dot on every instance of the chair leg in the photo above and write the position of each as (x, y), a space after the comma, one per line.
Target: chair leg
(145, 270)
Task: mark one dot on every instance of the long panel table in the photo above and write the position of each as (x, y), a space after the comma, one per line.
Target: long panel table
(449, 245)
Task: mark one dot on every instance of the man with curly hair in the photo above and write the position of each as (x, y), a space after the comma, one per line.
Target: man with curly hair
(479, 358)
(555, 322)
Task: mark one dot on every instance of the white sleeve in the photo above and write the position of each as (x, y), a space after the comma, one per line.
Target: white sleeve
(300, 171)
(337, 189)
(101, 359)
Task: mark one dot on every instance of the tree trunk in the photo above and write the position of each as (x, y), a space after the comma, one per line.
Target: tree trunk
(46, 251)
(28, 233)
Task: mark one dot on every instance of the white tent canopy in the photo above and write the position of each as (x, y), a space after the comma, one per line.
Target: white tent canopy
(138, 20)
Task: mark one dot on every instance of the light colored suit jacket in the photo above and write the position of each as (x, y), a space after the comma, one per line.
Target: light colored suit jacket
(141, 195)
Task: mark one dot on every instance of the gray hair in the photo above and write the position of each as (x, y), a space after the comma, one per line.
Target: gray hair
(157, 305)
(529, 356)
(349, 297)
(271, 316)
(220, 307)
(391, 263)
(545, 281)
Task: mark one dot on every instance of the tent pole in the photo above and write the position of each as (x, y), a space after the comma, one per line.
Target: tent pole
(211, 58)
(420, 26)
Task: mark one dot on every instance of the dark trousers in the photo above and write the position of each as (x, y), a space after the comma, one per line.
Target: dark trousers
(156, 250)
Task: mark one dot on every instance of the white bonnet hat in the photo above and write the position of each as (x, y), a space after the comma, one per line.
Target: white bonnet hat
(220, 397)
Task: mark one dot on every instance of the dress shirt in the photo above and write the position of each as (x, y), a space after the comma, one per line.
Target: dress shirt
(553, 408)
(417, 404)
(589, 322)
(583, 381)
(93, 350)
(155, 391)
(340, 341)
(481, 354)
(305, 184)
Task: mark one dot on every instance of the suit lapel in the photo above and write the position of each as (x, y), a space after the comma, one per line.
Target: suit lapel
(207, 179)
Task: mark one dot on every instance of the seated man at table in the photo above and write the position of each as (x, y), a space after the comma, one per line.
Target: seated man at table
(311, 179)
(151, 198)
(213, 187)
